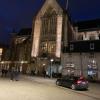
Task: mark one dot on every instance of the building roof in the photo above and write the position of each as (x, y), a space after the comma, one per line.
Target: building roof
(3, 45)
(83, 46)
(88, 25)
(62, 5)
(24, 32)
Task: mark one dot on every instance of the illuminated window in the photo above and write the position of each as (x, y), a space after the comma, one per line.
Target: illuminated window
(91, 46)
(71, 47)
(48, 32)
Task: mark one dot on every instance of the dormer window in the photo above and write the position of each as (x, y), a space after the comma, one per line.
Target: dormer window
(91, 46)
(71, 47)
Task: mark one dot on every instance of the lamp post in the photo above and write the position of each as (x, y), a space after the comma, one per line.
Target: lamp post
(44, 67)
(81, 73)
(51, 67)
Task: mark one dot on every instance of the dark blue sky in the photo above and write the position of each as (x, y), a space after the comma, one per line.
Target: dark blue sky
(19, 13)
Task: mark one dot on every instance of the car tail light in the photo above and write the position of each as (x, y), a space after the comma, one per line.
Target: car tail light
(78, 82)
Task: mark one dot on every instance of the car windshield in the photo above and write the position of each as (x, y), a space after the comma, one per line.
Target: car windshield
(66, 77)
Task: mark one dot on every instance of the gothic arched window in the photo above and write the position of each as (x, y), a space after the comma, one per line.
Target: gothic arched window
(48, 31)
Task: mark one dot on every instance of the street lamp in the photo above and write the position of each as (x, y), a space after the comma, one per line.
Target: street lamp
(81, 73)
(51, 67)
(43, 64)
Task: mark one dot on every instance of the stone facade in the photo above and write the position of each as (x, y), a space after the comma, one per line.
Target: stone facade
(21, 49)
(81, 62)
(50, 47)
(50, 28)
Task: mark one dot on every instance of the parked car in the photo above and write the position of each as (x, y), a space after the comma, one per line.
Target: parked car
(73, 82)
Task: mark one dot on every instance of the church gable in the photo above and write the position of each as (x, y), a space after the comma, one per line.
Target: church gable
(50, 6)
(49, 12)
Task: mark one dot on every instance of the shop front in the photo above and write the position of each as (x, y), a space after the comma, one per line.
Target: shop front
(92, 70)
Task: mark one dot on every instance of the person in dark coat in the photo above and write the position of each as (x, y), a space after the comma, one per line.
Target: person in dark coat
(17, 72)
(12, 73)
(44, 73)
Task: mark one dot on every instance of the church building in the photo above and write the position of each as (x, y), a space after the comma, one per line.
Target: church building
(51, 27)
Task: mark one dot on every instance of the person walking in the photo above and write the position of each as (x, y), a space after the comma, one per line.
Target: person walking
(17, 72)
(44, 73)
(12, 73)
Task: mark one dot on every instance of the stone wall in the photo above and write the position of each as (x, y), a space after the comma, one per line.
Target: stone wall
(81, 62)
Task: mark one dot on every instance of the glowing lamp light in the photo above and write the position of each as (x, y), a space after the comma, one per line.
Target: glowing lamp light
(52, 60)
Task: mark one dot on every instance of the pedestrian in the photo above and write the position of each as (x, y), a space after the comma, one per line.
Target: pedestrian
(44, 73)
(17, 72)
(2, 72)
(12, 73)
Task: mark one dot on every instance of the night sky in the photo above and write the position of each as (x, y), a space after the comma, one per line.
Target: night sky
(19, 14)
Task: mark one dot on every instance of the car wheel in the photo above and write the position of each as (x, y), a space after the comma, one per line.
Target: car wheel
(58, 83)
(73, 87)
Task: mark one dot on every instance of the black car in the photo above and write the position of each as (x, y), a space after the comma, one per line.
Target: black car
(73, 82)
